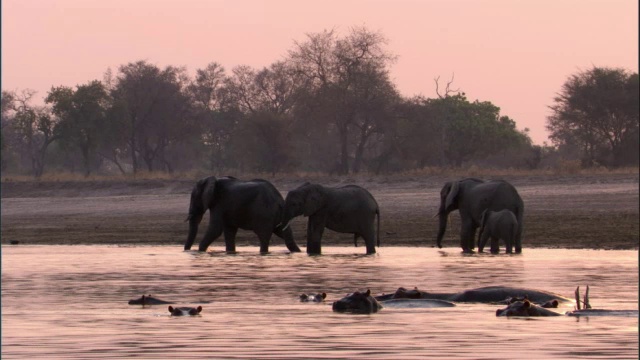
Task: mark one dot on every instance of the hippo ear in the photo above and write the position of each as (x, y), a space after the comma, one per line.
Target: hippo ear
(170, 309)
(199, 308)
(527, 304)
(324, 295)
(304, 296)
(367, 293)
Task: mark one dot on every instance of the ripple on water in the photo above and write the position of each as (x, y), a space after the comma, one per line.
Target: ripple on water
(71, 302)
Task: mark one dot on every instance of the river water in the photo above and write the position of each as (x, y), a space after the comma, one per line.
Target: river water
(70, 302)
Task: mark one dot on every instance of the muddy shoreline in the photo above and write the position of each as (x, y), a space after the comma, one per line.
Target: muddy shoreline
(597, 211)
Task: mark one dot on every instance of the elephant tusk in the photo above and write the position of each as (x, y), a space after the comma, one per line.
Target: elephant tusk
(286, 226)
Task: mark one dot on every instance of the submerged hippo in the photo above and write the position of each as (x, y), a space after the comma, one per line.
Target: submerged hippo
(489, 294)
(148, 300)
(184, 311)
(319, 297)
(357, 303)
(525, 308)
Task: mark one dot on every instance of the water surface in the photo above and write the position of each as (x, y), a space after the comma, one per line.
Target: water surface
(71, 302)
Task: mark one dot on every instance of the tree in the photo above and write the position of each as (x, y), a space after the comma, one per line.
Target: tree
(266, 99)
(82, 115)
(598, 108)
(339, 73)
(154, 109)
(34, 130)
(216, 114)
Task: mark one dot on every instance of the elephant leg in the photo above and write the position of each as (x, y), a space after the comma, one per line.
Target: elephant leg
(287, 236)
(467, 234)
(518, 239)
(484, 236)
(495, 245)
(213, 232)
(315, 228)
(230, 238)
(370, 241)
(265, 238)
(508, 243)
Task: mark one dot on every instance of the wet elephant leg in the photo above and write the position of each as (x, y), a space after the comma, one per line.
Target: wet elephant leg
(509, 246)
(482, 241)
(315, 228)
(467, 234)
(213, 232)
(518, 239)
(265, 237)
(495, 245)
(369, 240)
(230, 238)
(287, 236)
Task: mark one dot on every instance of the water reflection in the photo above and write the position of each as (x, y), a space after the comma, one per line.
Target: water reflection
(71, 302)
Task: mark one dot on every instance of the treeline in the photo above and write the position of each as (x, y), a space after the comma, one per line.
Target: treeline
(328, 106)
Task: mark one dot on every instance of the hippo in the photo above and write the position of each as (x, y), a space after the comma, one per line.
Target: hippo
(148, 300)
(357, 303)
(547, 304)
(319, 297)
(489, 294)
(183, 311)
(525, 308)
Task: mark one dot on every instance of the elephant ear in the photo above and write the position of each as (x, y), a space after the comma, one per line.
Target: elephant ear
(314, 201)
(451, 195)
(207, 187)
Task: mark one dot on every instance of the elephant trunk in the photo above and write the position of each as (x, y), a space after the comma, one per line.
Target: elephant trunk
(194, 221)
(443, 216)
(289, 214)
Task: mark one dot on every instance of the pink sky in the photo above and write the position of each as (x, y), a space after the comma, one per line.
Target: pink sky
(516, 54)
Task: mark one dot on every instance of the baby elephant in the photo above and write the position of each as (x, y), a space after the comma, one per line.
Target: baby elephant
(497, 225)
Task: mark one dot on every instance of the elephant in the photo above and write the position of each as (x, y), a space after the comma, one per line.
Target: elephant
(346, 209)
(319, 297)
(184, 311)
(497, 225)
(489, 294)
(148, 300)
(473, 196)
(357, 303)
(235, 204)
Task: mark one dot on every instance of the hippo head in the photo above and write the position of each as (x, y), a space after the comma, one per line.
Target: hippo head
(551, 304)
(403, 293)
(357, 303)
(524, 308)
(183, 311)
(319, 297)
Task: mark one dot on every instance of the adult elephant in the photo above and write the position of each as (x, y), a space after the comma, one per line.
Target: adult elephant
(346, 209)
(234, 204)
(472, 197)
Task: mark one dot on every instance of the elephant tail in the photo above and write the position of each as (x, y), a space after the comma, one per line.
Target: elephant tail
(378, 230)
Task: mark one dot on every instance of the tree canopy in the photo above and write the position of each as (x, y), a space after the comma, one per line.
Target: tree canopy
(597, 110)
(328, 106)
